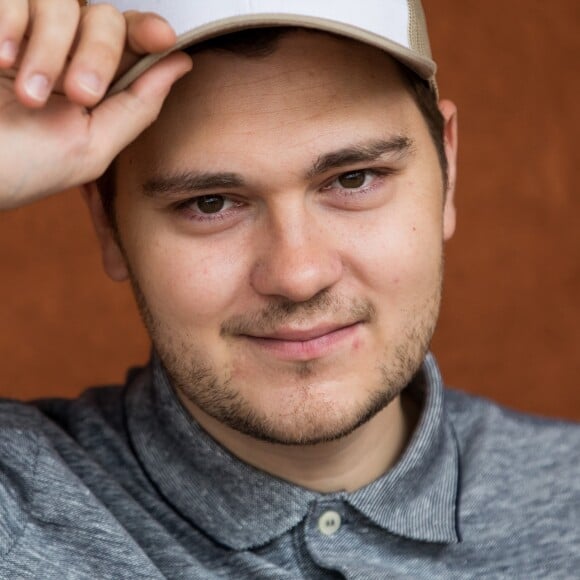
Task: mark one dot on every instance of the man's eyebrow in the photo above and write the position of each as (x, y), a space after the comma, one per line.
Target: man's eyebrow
(189, 182)
(366, 152)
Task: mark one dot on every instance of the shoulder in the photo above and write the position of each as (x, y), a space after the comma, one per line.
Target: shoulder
(23, 445)
(51, 420)
(43, 457)
(528, 442)
(519, 474)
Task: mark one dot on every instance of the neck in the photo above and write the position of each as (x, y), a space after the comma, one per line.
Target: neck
(346, 464)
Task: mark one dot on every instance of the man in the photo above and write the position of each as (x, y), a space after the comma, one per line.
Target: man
(282, 223)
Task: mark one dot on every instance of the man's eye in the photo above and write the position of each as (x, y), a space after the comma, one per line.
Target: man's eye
(209, 204)
(209, 208)
(353, 180)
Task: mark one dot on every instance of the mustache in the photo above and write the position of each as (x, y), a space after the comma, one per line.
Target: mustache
(321, 306)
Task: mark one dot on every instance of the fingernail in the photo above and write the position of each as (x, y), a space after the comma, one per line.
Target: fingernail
(37, 86)
(8, 51)
(90, 82)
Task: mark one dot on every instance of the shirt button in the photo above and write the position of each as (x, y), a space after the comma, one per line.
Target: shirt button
(329, 523)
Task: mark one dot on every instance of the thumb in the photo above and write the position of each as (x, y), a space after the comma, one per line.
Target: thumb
(121, 118)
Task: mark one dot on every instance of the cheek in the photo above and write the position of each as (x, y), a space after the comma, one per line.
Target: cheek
(187, 282)
(398, 254)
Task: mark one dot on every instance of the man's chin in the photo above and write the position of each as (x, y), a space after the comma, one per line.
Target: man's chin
(298, 423)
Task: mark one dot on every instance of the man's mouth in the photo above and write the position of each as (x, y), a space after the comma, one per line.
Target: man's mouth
(303, 344)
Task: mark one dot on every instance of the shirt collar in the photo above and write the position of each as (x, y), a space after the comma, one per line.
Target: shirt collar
(242, 507)
(417, 498)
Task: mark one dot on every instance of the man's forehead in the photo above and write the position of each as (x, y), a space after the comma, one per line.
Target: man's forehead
(232, 114)
(309, 81)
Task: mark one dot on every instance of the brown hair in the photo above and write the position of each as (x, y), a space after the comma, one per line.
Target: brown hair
(262, 42)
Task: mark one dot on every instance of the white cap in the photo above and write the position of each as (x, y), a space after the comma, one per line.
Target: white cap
(396, 26)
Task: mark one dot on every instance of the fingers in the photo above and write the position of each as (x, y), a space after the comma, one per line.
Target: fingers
(98, 51)
(13, 22)
(53, 25)
(109, 43)
(148, 33)
(57, 47)
(120, 119)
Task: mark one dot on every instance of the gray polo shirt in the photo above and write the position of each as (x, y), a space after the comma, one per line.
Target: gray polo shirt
(121, 483)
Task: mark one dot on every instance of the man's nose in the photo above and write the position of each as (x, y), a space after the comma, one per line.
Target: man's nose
(297, 259)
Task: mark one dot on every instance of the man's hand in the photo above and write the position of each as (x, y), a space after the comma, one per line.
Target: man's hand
(56, 64)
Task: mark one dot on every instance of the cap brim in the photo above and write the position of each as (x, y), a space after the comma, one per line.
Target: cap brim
(422, 66)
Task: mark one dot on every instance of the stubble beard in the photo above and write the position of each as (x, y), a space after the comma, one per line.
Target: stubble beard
(303, 421)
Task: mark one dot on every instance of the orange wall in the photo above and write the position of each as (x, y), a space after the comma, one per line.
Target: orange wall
(511, 316)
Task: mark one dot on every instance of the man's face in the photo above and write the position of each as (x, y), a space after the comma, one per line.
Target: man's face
(282, 223)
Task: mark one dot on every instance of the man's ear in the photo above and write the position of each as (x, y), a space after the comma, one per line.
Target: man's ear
(111, 253)
(449, 112)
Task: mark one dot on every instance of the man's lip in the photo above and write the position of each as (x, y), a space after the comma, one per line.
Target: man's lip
(301, 334)
(294, 344)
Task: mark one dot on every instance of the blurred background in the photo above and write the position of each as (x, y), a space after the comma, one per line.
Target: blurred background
(510, 324)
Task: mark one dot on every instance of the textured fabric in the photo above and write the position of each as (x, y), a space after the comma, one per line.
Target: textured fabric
(121, 483)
